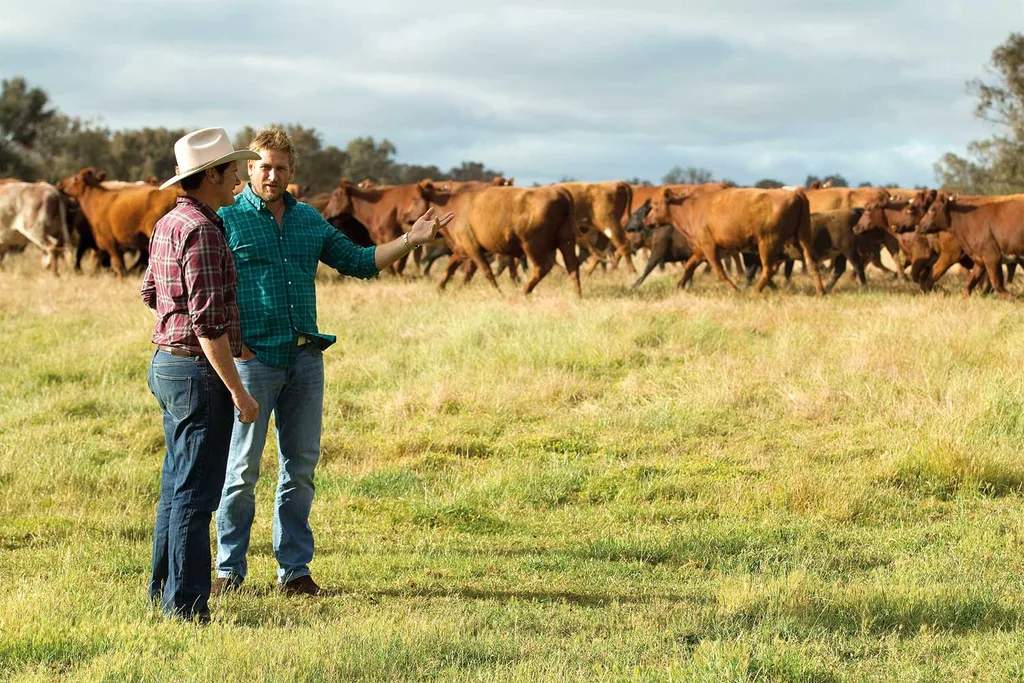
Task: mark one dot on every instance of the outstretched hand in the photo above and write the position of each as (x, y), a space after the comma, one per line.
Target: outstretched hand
(426, 226)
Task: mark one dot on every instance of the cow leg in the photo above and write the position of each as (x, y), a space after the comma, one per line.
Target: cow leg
(468, 272)
(977, 274)
(751, 264)
(572, 264)
(942, 264)
(539, 268)
(689, 268)
(857, 261)
(622, 250)
(838, 268)
(811, 265)
(116, 262)
(657, 256)
(716, 265)
(766, 252)
(453, 265)
(994, 266)
(787, 269)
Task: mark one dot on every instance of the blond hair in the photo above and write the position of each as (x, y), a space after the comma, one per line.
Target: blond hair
(275, 139)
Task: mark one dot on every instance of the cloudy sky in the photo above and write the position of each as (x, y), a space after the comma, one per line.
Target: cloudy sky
(541, 89)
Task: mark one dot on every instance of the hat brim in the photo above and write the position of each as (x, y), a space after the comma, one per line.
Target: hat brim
(238, 155)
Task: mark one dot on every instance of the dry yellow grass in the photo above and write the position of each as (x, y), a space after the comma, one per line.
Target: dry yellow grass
(654, 485)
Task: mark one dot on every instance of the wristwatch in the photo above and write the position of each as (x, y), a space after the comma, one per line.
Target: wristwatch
(405, 237)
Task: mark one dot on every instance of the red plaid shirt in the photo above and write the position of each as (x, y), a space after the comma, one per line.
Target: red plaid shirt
(190, 281)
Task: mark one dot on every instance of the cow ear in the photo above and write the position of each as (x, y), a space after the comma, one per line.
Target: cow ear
(511, 181)
(101, 176)
(425, 185)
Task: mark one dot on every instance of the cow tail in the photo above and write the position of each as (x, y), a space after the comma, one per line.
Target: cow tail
(803, 224)
(627, 189)
(576, 229)
(57, 218)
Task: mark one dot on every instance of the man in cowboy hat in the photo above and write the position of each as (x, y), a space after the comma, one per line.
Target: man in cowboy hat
(190, 284)
(278, 243)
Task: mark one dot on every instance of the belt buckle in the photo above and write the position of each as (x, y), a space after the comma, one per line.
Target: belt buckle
(302, 340)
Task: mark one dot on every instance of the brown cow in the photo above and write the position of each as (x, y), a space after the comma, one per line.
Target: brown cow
(987, 232)
(930, 257)
(120, 219)
(604, 207)
(33, 213)
(383, 209)
(833, 237)
(509, 221)
(739, 219)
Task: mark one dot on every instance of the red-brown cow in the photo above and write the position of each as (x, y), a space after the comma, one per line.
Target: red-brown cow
(383, 209)
(987, 233)
(120, 219)
(508, 221)
(738, 220)
(604, 207)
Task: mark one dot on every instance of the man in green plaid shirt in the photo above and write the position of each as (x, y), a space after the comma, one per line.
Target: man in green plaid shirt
(277, 244)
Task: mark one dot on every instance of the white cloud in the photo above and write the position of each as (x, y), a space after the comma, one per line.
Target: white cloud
(541, 88)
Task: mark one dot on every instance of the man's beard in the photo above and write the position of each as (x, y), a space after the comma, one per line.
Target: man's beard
(267, 195)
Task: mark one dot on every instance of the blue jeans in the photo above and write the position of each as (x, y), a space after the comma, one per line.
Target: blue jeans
(197, 416)
(295, 395)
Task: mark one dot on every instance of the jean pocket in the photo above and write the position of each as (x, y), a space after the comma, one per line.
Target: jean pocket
(175, 395)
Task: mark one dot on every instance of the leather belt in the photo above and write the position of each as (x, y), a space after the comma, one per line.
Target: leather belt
(177, 351)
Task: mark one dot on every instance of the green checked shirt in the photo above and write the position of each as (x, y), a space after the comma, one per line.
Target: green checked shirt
(276, 270)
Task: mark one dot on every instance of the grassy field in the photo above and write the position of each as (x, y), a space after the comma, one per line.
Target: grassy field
(656, 486)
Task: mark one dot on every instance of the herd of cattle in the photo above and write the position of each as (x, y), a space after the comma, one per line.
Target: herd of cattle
(582, 223)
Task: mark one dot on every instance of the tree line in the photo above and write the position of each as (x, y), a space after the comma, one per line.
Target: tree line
(38, 142)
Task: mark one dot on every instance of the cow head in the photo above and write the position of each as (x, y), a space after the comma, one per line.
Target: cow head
(340, 203)
(872, 218)
(365, 183)
(659, 212)
(910, 213)
(76, 185)
(936, 218)
(502, 181)
(636, 221)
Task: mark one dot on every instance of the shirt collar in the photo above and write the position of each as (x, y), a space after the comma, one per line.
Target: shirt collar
(257, 202)
(203, 209)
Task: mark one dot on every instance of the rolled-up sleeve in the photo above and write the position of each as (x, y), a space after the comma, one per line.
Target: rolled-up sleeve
(203, 251)
(340, 253)
(149, 287)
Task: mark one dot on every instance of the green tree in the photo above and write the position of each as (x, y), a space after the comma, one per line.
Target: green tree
(24, 114)
(472, 170)
(690, 175)
(996, 165)
(138, 154)
(67, 144)
(769, 184)
(369, 159)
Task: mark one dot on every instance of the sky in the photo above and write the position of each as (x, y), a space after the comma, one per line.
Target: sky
(541, 89)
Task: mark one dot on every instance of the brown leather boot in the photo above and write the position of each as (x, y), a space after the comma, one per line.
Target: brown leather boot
(303, 585)
(222, 585)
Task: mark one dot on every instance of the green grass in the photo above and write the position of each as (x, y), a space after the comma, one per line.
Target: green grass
(654, 485)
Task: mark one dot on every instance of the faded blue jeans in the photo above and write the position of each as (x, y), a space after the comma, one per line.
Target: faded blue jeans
(197, 418)
(295, 395)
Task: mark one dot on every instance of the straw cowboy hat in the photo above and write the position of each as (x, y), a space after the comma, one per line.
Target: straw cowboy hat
(202, 149)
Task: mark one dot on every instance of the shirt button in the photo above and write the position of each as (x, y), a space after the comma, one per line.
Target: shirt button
(289, 282)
